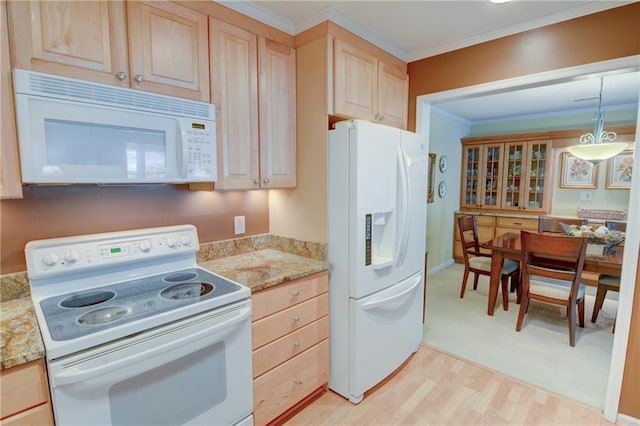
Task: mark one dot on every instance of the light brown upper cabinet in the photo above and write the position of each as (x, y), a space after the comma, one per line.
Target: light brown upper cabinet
(10, 181)
(510, 174)
(253, 82)
(161, 47)
(367, 88)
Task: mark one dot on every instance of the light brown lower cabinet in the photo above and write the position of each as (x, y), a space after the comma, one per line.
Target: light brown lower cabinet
(290, 346)
(25, 395)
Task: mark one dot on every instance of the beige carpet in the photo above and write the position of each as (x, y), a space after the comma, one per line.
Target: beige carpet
(539, 354)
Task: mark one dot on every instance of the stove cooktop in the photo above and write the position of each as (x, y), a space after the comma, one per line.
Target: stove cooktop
(73, 315)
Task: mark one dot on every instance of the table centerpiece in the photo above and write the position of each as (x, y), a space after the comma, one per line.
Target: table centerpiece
(601, 240)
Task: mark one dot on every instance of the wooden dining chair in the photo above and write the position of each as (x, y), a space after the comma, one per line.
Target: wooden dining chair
(479, 262)
(551, 225)
(551, 268)
(607, 282)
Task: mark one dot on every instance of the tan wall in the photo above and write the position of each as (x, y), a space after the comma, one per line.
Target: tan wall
(593, 38)
(47, 212)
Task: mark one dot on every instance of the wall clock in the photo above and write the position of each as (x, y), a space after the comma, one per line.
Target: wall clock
(442, 189)
(444, 163)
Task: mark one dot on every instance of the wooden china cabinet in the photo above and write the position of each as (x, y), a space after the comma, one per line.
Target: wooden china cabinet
(506, 174)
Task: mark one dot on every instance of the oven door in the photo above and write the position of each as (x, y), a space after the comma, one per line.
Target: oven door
(193, 371)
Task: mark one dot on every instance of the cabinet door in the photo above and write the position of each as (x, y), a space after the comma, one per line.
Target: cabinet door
(77, 39)
(234, 78)
(168, 49)
(514, 182)
(10, 182)
(471, 168)
(491, 174)
(277, 101)
(537, 183)
(355, 82)
(393, 93)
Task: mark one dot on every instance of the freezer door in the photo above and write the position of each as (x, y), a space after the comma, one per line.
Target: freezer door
(412, 194)
(385, 330)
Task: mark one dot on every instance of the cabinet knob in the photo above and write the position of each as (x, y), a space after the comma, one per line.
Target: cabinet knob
(266, 180)
(378, 116)
(296, 293)
(296, 319)
(297, 381)
(256, 181)
(139, 78)
(296, 345)
(121, 75)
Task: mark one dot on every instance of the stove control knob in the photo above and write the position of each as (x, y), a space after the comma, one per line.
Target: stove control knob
(144, 246)
(185, 240)
(172, 242)
(72, 256)
(51, 259)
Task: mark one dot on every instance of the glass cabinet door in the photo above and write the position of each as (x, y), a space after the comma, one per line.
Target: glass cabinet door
(536, 176)
(470, 195)
(481, 171)
(513, 173)
(491, 185)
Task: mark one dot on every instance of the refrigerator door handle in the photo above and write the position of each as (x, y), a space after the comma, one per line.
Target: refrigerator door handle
(388, 302)
(405, 193)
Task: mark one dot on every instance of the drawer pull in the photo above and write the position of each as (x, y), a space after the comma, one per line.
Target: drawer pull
(296, 293)
(517, 223)
(297, 381)
(296, 345)
(296, 319)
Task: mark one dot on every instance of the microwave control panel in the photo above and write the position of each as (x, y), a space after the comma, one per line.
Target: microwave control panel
(199, 149)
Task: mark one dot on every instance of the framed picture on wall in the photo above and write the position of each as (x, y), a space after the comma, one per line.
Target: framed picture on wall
(620, 170)
(577, 173)
(431, 178)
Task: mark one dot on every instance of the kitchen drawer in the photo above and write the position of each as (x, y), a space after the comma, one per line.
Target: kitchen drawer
(283, 296)
(41, 415)
(284, 386)
(277, 325)
(482, 220)
(23, 387)
(275, 353)
(518, 223)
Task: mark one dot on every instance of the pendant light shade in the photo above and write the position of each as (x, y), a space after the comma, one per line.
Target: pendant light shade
(599, 145)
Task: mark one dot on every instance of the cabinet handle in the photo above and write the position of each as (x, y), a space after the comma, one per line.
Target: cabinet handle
(296, 319)
(267, 180)
(517, 223)
(297, 381)
(138, 78)
(121, 75)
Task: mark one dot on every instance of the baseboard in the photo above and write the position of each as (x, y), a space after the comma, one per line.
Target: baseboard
(623, 419)
(440, 267)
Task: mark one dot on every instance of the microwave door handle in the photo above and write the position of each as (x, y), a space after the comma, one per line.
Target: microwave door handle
(182, 149)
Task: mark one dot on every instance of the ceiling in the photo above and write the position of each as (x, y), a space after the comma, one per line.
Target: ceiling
(413, 30)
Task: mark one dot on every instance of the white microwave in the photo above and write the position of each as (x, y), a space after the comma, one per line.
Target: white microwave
(72, 131)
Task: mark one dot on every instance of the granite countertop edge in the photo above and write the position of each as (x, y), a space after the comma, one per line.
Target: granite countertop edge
(21, 342)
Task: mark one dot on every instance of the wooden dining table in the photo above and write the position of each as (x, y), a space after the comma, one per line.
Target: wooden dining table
(507, 246)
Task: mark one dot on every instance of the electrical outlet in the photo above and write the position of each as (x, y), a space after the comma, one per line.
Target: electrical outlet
(585, 196)
(238, 224)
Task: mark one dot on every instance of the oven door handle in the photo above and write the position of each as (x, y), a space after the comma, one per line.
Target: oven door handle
(98, 365)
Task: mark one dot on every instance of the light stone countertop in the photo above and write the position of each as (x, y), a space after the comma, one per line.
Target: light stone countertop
(20, 340)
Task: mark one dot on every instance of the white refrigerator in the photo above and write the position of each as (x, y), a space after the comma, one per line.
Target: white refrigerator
(376, 212)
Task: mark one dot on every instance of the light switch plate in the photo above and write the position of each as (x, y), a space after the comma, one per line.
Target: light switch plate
(238, 224)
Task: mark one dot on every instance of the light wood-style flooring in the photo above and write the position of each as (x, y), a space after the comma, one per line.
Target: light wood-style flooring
(435, 388)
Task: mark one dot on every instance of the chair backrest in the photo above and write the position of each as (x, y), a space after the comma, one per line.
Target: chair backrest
(552, 225)
(468, 235)
(552, 256)
(616, 226)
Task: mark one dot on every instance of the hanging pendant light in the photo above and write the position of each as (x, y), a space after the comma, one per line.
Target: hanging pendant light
(597, 146)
